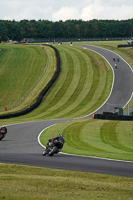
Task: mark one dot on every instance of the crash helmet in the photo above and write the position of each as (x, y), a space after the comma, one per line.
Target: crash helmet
(60, 135)
(4, 127)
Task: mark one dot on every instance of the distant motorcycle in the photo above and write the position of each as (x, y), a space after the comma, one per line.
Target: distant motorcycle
(113, 58)
(115, 66)
(52, 148)
(3, 132)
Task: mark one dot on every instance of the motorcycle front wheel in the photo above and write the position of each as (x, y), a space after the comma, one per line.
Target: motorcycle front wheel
(53, 151)
(1, 136)
(44, 153)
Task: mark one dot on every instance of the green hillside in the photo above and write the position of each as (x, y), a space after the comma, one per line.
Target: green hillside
(23, 74)
(84, 84)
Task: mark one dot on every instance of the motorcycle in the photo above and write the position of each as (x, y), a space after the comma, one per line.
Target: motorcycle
(52, 148)
(2, 134)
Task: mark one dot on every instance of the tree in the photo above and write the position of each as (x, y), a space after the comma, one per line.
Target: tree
(68, 29)
(3, 31)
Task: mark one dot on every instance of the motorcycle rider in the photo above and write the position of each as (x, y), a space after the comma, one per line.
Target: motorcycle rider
(3, 130)
(115, 66)
(58, 141)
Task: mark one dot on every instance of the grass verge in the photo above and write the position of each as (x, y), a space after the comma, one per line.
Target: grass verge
(23, 182)
(99, 138)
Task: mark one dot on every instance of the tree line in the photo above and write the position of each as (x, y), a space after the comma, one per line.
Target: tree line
(15, 30)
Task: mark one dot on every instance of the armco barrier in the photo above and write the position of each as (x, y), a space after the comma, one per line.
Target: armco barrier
(113, 117)
(42, 93)
(125, 45)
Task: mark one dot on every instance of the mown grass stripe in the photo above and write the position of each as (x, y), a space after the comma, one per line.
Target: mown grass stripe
(76, 141)
(74, 77)
(100, 138)
(97, 94)
(110, 136)
(63, 83)
(81, 72)
(125, 130)
(101, 92)
(90, 90)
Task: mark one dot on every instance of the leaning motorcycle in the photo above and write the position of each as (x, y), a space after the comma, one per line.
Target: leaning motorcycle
(2, 134)
(52, 148)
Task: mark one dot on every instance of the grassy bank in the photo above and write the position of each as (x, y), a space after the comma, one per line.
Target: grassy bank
(23, 74)
(22, 182)
(83, 85)
(99, 138)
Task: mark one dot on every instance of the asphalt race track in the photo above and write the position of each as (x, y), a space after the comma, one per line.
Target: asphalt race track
(20, 146)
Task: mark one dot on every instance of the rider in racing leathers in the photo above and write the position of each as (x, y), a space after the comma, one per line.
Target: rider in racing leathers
(59, 141)
(3, 130)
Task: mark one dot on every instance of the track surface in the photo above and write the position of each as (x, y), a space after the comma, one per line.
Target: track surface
(21, 144)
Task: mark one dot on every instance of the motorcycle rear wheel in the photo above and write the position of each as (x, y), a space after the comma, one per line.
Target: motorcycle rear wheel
(53, 151)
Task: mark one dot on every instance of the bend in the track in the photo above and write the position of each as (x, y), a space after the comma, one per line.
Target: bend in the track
(21, 145)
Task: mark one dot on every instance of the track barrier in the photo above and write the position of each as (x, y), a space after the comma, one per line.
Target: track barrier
(112, 116)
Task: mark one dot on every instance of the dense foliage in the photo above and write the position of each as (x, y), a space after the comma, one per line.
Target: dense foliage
(15, 30)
